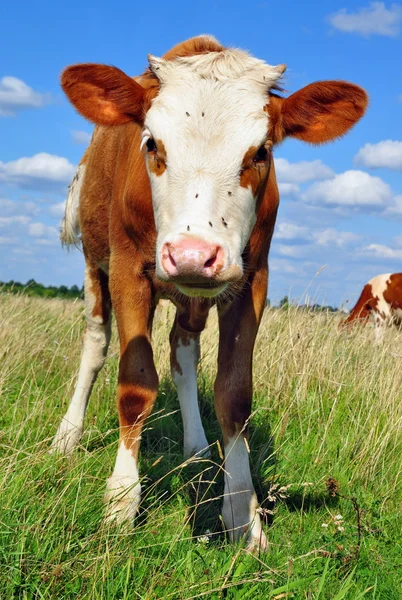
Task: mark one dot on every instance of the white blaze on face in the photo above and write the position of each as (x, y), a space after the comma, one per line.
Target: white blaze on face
(208, 114)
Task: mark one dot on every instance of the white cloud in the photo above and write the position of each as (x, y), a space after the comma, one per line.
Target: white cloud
(395, 208)
(351, 189)
(291, 231)
(40, 171)
(57, 210)
(288, 189)
(382, 251)
(42, 230)
(8, 241)
(333, 237)
(81, 137)
(302, 171)
(9, 208)
(17, 95)
(14, 220)
(375, 19)
(20, 227)
(293, 251)
(284, 266)
(386, 154)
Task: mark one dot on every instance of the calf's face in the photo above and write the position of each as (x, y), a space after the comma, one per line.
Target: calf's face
(207, 140)
(207, 155)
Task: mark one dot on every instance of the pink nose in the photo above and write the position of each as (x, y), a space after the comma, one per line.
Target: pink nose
(192, 257)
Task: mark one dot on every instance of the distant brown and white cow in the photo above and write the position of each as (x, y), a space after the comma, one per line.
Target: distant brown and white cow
(379, 302)
(176, 197)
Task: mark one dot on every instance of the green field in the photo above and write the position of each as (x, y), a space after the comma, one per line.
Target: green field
(328, 406)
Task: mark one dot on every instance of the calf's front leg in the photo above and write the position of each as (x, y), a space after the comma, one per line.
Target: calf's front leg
(136, 394)
(238, 326)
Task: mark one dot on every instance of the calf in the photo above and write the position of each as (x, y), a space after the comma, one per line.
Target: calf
(380, 302)
(176, 197)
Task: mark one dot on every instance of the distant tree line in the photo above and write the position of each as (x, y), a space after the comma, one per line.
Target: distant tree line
(33, 288)
(285, 303)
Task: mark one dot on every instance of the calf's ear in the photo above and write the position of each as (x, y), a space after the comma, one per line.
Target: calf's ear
(318, 113)
(103, 94)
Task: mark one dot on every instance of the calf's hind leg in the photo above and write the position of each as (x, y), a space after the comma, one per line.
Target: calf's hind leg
(95, 346)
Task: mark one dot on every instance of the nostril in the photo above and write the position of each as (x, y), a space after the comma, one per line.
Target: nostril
(210, 262)
(172, 260)
(212, 259)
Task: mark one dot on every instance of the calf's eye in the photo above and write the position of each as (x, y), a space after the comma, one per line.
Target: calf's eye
(150, 144)
(261, 155)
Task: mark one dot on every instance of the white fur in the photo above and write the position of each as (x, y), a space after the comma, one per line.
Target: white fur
(382, 314)
(123, 493)
(378, 286)
(96, 342)
(239, 510)
(205, 153)
(70, 227)
(186, 383)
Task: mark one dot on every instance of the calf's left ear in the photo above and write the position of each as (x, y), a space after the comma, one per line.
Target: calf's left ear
(318, 113)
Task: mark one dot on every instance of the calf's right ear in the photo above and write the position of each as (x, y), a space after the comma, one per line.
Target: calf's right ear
(104, 95)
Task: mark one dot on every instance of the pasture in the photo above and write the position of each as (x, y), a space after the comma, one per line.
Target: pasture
(326, 446)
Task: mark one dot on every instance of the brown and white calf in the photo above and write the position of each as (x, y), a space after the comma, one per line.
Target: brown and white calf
(176, 197)
(380, 302)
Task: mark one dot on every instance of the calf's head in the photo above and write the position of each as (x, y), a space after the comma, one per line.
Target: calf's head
(207, 139)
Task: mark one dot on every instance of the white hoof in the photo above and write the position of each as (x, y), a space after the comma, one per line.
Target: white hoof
(199, 449)
(257, 542)
(242, 520)
(123, 496)
(66, 439)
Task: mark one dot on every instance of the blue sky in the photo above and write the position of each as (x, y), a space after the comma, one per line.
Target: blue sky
(341, 204)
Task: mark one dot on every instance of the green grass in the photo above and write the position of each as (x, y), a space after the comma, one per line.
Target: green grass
(327, 404)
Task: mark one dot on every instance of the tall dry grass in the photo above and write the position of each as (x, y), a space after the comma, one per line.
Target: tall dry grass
(327, 404)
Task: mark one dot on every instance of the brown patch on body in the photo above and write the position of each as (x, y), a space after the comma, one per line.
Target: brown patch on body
(393, 292)
(363, 307)
(101, 294)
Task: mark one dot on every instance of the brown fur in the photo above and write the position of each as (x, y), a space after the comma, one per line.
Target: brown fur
(253, 173)
(317, 113)
(363, 307)
(393, 293)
